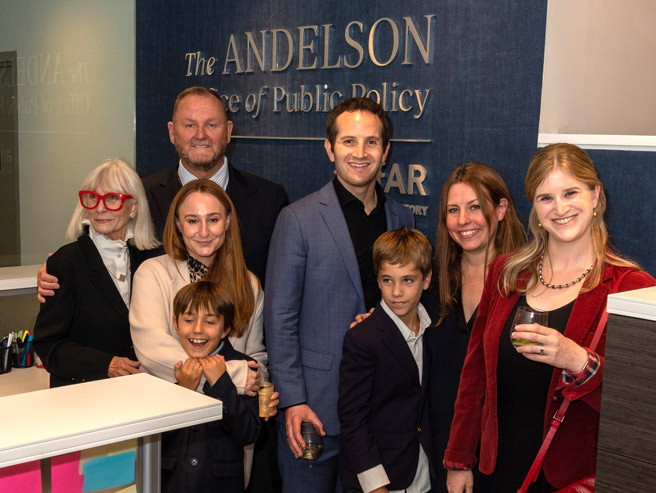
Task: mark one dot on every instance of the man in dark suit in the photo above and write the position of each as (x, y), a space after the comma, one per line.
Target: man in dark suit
(200, 131)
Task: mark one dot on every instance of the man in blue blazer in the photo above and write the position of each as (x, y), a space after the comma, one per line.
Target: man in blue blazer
(319, 276)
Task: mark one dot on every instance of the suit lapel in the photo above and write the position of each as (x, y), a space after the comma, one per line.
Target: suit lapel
(397, 345)
(165, 192)
(426, 364)
(239, 193)
(391, 217)
(332, 214)
(99, 276)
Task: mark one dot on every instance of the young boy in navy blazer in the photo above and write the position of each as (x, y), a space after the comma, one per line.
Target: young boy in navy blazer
(382, 404)
(208, 457)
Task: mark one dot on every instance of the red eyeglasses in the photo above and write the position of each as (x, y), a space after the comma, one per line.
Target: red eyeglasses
(113, 201)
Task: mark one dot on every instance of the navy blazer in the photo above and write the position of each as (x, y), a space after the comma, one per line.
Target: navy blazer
(209, 457)
(315, 294)
(85, 324)
(382, 406)
(257, 201)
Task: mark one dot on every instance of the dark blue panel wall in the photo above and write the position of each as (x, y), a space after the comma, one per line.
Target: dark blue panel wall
(484, 74)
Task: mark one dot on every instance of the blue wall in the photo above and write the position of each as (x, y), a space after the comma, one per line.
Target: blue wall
(484, 73)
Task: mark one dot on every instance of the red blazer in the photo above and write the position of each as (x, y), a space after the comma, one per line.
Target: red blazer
(573, 452)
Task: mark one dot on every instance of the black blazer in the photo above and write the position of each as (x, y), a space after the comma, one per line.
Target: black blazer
(257, 201)
(209, 457)
(85, 324)
(383, 409)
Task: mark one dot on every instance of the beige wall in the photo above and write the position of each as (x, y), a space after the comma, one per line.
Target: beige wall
(76, 104)
(600, 68)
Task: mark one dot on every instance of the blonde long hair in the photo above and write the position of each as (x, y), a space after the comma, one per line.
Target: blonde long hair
(577, 163)
(228, 267)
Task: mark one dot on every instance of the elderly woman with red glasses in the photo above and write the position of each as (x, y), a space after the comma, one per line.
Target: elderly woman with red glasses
(82, 333)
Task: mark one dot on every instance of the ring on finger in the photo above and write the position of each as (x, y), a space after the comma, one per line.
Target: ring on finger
(541, 350)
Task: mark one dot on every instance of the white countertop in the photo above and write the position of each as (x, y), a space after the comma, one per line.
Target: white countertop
(640, 303)
(18, 280)
(22, 380)
(57, 421)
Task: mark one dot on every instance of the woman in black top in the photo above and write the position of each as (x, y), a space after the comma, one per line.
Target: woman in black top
(477, 222)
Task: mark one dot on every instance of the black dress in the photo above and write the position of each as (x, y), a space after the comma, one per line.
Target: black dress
(447, 344)
(523, 386)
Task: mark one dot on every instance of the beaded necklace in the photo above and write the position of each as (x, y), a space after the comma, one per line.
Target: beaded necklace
(559, 286)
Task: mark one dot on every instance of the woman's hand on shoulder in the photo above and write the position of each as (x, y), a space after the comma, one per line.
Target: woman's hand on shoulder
(551, 347)
(188, 374)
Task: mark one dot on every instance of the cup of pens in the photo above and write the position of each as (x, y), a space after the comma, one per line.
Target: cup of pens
(6, 354)
(23, 350)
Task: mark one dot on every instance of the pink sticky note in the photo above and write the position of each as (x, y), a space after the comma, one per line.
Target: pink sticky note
(25, 478)
(65, 473)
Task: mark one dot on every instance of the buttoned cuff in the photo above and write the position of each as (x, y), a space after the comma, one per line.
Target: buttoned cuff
(588, 371)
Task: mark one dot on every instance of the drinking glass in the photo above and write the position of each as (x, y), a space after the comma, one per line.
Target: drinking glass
(313, 442)
(527, 315)
(266, 389)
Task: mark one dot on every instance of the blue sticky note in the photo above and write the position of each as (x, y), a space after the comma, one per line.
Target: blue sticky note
(109, 472)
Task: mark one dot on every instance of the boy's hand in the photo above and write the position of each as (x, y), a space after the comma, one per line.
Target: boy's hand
(45, 283)
(188, 373)
(213, 367)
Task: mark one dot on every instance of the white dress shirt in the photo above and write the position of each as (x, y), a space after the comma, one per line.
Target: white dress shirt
(221, 177)
(116, 257)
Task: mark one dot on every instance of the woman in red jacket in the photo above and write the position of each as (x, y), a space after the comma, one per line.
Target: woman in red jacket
(508, 396)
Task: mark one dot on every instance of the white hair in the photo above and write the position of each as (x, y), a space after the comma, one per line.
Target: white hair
(118, 176)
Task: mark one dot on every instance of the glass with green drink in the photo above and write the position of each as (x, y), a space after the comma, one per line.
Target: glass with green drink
(527, 315)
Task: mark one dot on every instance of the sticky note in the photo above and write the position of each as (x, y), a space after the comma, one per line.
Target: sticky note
(25, 478)
(130, 489)
(65, 473)
(105, 450)
(109, 472)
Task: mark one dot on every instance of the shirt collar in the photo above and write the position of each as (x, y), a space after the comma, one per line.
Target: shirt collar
(103, 243)
(218, 349)
(345, 197)
(408, 335)
(221, 177)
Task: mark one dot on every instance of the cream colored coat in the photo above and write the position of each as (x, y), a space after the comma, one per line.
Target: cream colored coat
(155, 340)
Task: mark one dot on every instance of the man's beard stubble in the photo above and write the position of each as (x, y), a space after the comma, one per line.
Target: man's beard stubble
(205, 166)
